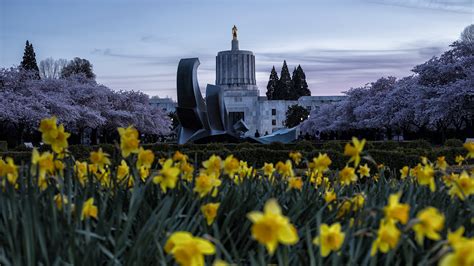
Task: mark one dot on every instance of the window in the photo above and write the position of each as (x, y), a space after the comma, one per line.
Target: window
(274, 111)
(274, 122)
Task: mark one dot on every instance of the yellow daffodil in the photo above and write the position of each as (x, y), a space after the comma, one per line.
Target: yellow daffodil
(347, 176)
(9, 170)
(459, 159)
(145, 158)
(206, 183)
(49, 130)
(210, 212)
(387, 237)
(100, 158)
(41, 165)
(425, 176)
(89, 209)
(213, 165)
(358, 201)
(129, 142)
(354, 150)
(404, 172)
(268, 169)
(469, 146)
(187, 170)
(430, 222)
(329, 196)
(60, 201)
(296, 157)
(168, 176)
(364, 170)
(59, 144)
(456, 237)
(80, 168)
(395, 210)
(285, 169)
(180, 157)
(461, 256)
(271, 227)
(462, 187)
(320, 163)
(441, 163)
(188, 249)
(330, 238)
(295, 183)
(231, 165)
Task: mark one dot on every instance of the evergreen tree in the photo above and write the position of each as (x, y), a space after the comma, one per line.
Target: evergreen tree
(78, 66)
(295, 115)
(272, 84)
(29, 59)
(300, 87)
(283, 90)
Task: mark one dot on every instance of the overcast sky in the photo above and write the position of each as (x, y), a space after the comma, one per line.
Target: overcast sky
(137, 44)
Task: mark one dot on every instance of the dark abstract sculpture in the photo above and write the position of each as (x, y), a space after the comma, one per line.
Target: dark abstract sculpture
(201, 121)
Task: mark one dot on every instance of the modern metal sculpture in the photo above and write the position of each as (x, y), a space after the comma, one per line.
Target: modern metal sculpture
(204, 121)
(201, 121)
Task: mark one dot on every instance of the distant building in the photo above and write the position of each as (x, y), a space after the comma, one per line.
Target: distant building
(167, 105)
(235, 73)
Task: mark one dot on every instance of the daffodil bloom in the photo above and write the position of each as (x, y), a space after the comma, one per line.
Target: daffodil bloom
(469, 146)
(9, 170)
(456, 237)
(449, 179)
(347, 176)
(41, 165)
(285, 169)
(344, 208)
(60, 200)
(180, 157)
(330, 238)
(123, 171)
(168, 176)
(271, 227)
(329, 196)
(129, 142)
(459, 159)
(80, 168)
(462, 187)
(441, 163)
(244, 170)
(188, 249)
(364, 170)
(296, 157)
(210, 212)
(404, 172)
(100, 158)
(320, 163)
(268, 169)
(430, 222)
(231, 165)
(354, 150)
(461, 256)
(89, 209)
(425, 176)
(49, 130)
(395, 210)
(387, 237)
(187, 170)
(318, 179)
(295, 183)
(358, 201)
(59, 143)
(205, 183)
(213, 165)
(145, 158)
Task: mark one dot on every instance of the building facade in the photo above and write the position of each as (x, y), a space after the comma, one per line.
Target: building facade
(235, 73)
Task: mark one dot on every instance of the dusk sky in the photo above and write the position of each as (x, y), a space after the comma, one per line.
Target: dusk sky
(137, 44)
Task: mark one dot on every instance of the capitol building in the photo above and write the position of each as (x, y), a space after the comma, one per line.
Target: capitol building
(235, 74)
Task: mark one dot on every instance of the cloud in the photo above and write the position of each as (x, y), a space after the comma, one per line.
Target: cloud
(459, 6)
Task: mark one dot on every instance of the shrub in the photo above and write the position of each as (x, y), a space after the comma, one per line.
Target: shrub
(3, 146)
(453, 143)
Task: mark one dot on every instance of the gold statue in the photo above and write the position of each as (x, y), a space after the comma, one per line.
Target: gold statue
(234, 32)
